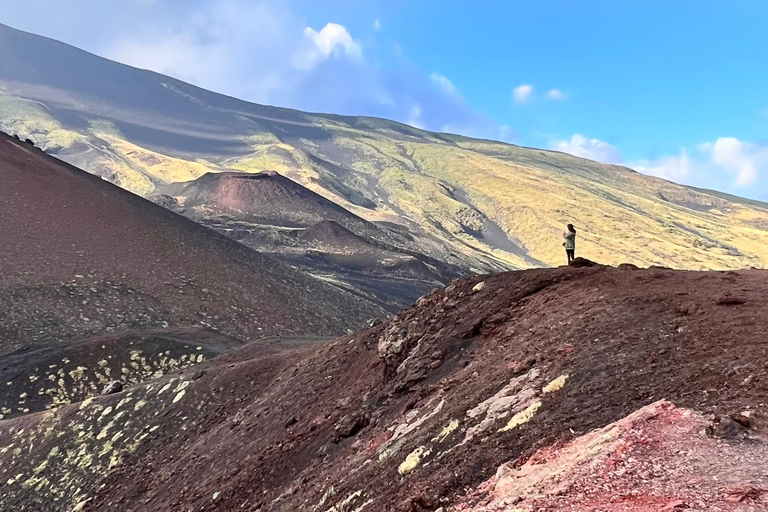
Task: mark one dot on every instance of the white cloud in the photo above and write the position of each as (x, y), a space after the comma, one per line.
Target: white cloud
(522, 93)
(230, 46)
(556, 94)
(592, 149)
(725, 164)
(744, 160)
(377, 24)
(445, 84)
(333, 39)
(261, 51)
(678, 168)
(173, 54)
(414, 119)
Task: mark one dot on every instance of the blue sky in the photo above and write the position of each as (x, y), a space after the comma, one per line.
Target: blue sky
(677, 89)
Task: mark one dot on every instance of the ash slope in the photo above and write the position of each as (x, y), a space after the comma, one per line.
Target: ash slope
(418, 413)
(264, 198)
(81, 257)
(275, 215)
(483, 204)
(48, 375)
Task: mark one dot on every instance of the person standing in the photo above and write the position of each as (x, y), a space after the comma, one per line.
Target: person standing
(570, 243)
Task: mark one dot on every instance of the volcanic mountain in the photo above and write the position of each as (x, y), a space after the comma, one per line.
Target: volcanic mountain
(476, 204)
(263, 198)
(585, 389)
(273, 214)
(81, 257)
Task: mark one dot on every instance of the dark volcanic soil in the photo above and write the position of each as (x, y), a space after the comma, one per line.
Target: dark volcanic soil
(279, 217)
(415, 414)
(264, 198)
(81, 257)
(45, 376)
(336, 237)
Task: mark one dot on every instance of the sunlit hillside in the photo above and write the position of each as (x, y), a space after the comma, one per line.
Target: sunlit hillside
(487, 204)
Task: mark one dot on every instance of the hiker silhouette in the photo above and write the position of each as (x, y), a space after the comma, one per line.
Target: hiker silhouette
(570, 243)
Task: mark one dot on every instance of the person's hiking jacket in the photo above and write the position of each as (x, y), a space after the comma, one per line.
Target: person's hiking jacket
(570, 240)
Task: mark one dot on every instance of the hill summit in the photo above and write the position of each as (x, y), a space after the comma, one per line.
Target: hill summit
(264, 197)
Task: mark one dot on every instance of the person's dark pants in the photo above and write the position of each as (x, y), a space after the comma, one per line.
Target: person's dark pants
(571, 254)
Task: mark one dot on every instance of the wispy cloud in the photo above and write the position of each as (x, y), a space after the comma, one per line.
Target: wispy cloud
(414, 118)
(522, 93)
(556, 94)
(727, 163)
(593, 149)
(259, 50)
(745, 161)
(444, 84)
(377, 24)
(678, 168)
(333, 39)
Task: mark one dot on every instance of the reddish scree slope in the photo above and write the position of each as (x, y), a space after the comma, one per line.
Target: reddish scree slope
(420, 412)
(79, 257)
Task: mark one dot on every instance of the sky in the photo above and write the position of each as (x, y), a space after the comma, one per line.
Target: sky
(676, 89)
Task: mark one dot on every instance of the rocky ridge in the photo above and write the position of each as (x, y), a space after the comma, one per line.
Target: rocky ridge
(497, 392)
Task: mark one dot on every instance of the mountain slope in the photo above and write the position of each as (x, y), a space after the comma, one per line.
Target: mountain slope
(264, 198)
(82, 257)
(277, 216)
(480, 204)
(498, 390)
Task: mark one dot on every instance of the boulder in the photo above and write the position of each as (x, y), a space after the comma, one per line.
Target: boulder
(114, 386)
(581, 262)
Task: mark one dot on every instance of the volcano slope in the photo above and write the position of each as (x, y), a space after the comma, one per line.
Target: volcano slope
(273, 214)
(80, 257)
(483, 396)
(262, 198)
(484, 204)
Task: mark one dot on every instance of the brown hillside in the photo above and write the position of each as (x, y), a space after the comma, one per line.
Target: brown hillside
(336, 236)
(266, 198)
(80, 257)
(419, 413)
(277, 216)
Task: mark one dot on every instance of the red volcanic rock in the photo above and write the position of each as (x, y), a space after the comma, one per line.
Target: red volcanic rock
(580, 262)
(655, 459)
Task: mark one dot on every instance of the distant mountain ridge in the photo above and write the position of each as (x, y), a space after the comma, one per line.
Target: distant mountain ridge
(478, 204)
